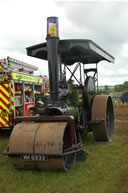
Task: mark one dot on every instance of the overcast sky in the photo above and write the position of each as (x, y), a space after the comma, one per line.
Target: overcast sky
(23, 23)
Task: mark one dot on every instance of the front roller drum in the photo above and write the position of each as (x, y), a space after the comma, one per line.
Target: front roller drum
(102, 111)
(48, 139)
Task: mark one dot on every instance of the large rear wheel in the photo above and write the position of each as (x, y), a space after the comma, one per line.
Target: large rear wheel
(102, 110)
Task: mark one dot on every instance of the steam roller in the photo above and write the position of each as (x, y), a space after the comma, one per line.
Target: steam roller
(53, 140)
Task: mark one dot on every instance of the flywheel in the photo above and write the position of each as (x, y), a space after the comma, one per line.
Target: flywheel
(89, 91)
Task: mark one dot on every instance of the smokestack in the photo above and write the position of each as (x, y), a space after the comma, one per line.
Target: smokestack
(53, 56)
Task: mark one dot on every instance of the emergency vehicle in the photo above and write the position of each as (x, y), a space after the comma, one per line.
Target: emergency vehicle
(18, 89)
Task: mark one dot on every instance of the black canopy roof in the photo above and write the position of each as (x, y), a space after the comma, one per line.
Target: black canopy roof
(71, 51)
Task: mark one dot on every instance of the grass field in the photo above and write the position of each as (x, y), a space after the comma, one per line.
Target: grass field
(105, 171)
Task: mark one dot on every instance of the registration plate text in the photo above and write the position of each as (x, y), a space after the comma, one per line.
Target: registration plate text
(34, 157)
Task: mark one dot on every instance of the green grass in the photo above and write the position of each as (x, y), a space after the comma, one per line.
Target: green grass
(99, 174)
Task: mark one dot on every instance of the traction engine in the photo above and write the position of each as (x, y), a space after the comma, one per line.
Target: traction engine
(53, 140)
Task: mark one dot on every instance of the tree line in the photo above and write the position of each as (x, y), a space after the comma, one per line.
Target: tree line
(123, 88)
